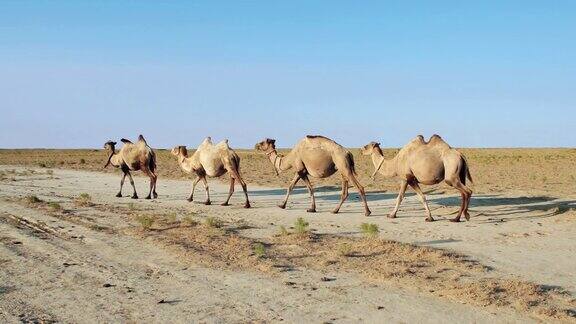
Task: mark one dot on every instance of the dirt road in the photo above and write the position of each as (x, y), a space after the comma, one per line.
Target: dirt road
(79, 264)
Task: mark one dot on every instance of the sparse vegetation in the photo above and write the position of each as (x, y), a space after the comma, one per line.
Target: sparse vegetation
(32, 200)
(146, 221)
(369, 230)
(132, 207)
(54, 206)
(259, 250)
(301, 226)
(83, 200)
(212, 222)
(172, 217)
(82, 161)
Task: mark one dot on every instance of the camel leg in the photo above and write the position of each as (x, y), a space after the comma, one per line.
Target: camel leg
(344, 195)
(155, 182)
(290, 187)
(466, 195)
(151, 176)
(351, 176)
(236, 174)
(312, 208)
(403, 186)
(207, 202)
(422, 198)
(134, 195)
(230, 192)
(194, 183)
(119, 194)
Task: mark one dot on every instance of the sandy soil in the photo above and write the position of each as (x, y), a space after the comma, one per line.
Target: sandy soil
(95, 263)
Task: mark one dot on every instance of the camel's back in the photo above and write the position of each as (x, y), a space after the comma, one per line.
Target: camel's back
(322, 156)
(212, 157)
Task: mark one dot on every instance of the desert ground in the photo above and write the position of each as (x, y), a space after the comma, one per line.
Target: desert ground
(73, 252)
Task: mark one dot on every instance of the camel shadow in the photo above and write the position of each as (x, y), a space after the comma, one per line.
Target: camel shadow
(512, 208)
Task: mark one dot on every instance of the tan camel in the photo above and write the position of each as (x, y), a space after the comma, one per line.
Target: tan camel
(319, 157)
(421, 162)
(133, 157)
(212, 161)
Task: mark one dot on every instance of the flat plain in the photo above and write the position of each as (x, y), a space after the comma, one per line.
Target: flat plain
(73, 252)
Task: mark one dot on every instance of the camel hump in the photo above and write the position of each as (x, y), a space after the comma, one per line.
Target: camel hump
(141, 139)
(125, 141)
(316, 136)
(436, 139)
(223, 144)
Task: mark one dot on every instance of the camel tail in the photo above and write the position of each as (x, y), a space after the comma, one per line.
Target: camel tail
(350, 160)
(236, 161)
(465, 172)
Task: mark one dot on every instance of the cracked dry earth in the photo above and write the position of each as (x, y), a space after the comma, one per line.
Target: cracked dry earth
(65, 261)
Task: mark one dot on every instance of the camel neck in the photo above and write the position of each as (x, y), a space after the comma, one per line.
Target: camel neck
(278, 161)
(384, 167)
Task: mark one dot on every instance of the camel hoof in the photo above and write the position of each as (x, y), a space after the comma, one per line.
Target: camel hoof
(207, 203)
(311, 210)
(455, 220)
(134, 197)
(224, 204)
(155, 195)
(467, 216)
(335, 211)
(148, 197)
(190, 199)
(282, 206)
(119, 195)
(429, 219)
(247, 205)
(392, 216)
(367, 213)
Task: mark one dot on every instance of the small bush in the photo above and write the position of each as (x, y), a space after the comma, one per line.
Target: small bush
(132, 206)
(83, 200)
(301, 226)
(146, 221)
(259, 250)
(54, 206)
(42, 165)
(212, 222)
(33, 200)
(82, 161)
(369, 230)
(50, 172)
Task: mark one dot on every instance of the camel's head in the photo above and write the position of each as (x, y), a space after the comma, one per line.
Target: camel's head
(179, 151)
(267, 145)
(110, 147)
(370, 148)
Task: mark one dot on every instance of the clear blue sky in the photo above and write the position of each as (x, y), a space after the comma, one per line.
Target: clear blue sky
(480, 73)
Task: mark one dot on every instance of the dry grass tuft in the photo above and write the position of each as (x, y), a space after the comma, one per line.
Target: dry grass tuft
(83, 200)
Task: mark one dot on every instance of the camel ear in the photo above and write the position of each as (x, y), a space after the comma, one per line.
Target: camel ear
(377, 144)
(270, 141)
(183, 150)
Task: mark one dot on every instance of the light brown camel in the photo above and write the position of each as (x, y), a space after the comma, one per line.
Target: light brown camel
(133, 157)
(319, 157)
(421, 162)
(211, 161)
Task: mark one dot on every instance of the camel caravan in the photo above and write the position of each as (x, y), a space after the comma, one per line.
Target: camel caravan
(418, 162)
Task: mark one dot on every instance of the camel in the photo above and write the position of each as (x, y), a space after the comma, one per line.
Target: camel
(319, 157)
(421, 162)
(133, 157)
(212, 161)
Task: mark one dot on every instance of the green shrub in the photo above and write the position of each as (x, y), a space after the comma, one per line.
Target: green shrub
(259, 250)
(189, 220)
(146, 221)
(54, 206)
(212, 222)
(369, 230)
(301, 226)
(33, 200)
